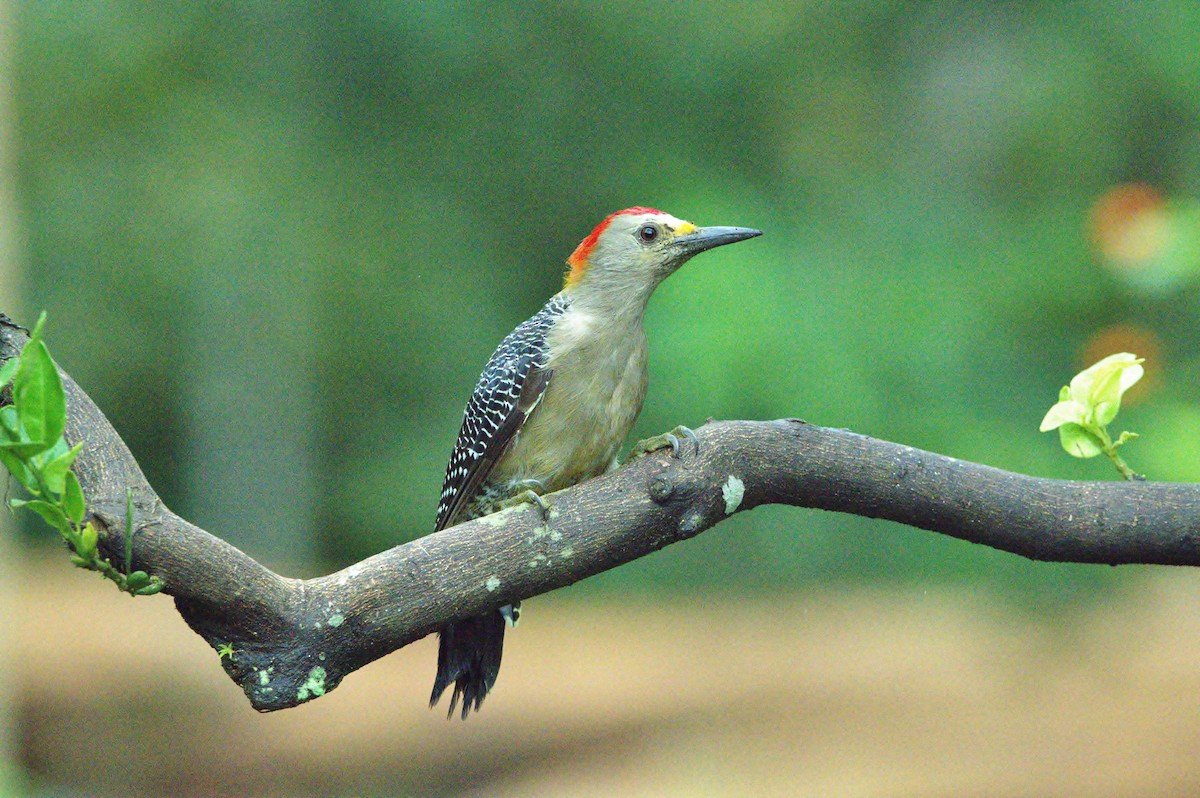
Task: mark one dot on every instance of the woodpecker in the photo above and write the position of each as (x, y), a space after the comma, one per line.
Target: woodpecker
(555, 402)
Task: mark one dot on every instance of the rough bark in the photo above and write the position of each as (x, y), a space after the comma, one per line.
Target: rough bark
(293, 640)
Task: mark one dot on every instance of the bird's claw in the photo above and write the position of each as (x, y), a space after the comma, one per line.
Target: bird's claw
(533, 497)
(530, 492)
(534, 485)
(670, 439)
(687, 432)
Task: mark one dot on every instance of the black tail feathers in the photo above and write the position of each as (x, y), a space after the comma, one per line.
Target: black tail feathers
(469, 657)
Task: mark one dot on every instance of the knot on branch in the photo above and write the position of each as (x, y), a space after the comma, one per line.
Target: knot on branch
(661, 488)
(682, 485)
(676, 480)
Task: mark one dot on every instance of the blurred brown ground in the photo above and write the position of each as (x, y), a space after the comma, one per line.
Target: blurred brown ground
(870, 693)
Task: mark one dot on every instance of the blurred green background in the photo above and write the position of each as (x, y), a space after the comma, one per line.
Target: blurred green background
(277, 242)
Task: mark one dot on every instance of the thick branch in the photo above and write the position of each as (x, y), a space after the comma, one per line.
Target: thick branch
(295, 639)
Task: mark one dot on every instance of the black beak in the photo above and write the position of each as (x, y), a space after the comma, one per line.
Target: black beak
(705, 238)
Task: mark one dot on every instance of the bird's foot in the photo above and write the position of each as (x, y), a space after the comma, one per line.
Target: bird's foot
(671, 439)
(529, 491)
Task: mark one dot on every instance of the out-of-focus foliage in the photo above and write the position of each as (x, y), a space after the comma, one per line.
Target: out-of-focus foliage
(282, 239)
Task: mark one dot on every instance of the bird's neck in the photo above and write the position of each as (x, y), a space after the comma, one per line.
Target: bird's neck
(610, 332)
(618, 306)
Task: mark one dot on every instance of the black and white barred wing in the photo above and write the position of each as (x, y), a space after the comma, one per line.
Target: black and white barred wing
(510, 387)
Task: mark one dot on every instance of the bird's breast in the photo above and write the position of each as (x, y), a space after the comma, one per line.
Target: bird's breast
(595, 393)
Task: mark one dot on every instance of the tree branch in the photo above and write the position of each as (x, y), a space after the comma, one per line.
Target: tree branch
(293, 640)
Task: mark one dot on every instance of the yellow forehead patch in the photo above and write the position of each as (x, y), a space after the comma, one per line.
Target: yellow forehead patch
(685, 228)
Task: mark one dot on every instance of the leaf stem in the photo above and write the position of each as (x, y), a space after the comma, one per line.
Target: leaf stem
(128, 530)
(1110, 449)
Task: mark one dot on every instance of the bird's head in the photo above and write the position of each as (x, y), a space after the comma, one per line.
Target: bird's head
(634, 250)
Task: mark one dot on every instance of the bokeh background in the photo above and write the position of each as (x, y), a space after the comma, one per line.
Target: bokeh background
(277, 242)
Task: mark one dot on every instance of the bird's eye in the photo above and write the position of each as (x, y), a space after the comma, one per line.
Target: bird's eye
(648, 233)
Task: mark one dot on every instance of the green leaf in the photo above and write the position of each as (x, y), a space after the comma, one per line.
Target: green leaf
(50, 513)
(16, 467)
(36, 335)
(1100, 386)
(1078, 442)
(1106, 394)
(9, 370)
(73, 501)
(86, 545)
(156, 585)
(55, 472)
(1067, 412)
(38, 394)
(137, 580)
(26, 449)
(10, 423)
(1125, 438)
(39, 461)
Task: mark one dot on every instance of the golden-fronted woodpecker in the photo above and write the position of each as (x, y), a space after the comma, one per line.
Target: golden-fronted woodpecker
(556, 400)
